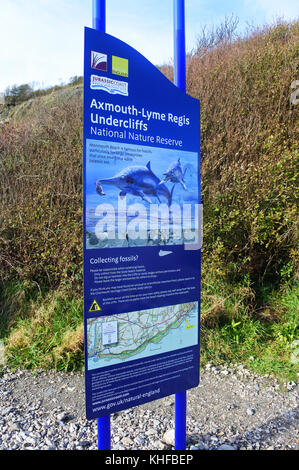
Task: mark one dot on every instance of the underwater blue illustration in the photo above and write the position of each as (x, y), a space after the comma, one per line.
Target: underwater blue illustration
(142, 175)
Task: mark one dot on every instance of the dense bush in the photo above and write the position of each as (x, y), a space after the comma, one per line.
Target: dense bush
(41, 194)
(17, 94)
(250, 151)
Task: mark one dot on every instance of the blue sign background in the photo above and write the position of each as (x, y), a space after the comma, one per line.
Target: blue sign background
(127, 288)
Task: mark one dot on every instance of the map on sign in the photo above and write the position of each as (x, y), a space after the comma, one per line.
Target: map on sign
(128, 336)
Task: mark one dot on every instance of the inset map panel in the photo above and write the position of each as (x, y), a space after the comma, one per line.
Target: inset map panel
(118, 338)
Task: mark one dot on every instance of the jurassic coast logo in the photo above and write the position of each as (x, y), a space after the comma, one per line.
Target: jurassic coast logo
(119, 66)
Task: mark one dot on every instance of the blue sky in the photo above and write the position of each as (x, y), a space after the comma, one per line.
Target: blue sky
(42, 40)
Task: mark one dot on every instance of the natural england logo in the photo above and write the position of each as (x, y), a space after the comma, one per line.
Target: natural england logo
(120, 66)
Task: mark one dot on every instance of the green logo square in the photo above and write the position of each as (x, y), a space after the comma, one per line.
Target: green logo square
(120, 66)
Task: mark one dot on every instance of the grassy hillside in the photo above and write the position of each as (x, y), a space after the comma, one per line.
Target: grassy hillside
(249, 177)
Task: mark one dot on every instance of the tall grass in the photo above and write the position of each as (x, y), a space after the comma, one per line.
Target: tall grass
(50, 335)
(41, 193)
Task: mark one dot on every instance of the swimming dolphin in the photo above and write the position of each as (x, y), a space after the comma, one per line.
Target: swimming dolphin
(99, 189)
(174, 174)
(139, 181)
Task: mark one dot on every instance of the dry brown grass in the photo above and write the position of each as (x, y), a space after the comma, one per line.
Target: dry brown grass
(41, 193)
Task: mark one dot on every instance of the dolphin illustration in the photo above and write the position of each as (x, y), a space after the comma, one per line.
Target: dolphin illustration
(174, 174)
(138, 181)
(99, 189)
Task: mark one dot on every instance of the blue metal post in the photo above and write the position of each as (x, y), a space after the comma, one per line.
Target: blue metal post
(99, 15)
(104, 433)
(179, 45)
(104, 425)
(180, 82)
(180, 420)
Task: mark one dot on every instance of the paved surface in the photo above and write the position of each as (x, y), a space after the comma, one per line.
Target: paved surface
(231, 409)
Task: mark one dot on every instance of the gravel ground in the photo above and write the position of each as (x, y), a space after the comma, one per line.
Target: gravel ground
(231, 409)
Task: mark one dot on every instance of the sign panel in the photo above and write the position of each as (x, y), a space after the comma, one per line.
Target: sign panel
(141, 230)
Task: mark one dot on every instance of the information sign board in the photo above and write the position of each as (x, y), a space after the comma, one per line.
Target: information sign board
(141, 230)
